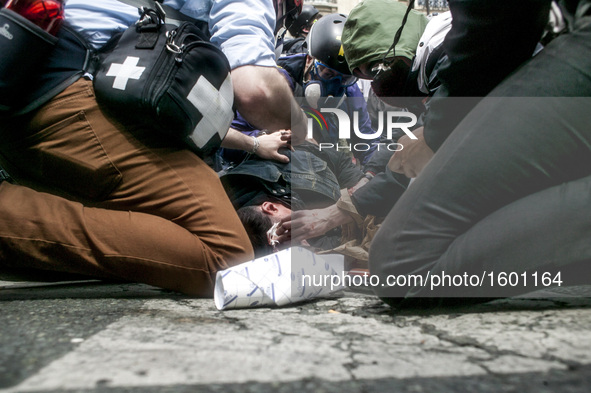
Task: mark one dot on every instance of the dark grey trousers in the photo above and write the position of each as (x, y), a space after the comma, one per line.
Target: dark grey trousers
(508, 191)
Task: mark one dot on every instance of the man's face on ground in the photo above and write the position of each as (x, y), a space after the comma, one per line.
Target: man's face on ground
(276, 211)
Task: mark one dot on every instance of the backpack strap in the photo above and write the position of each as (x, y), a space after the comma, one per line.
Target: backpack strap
(173, 16)
(67, 62)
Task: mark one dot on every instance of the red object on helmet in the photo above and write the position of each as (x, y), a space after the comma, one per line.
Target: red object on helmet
(298, 4)
(47, 14)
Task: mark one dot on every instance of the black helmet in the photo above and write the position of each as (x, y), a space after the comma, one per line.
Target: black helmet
(295, 25)
(324, 42)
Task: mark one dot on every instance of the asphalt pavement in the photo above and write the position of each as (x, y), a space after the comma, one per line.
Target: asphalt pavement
(112, 337)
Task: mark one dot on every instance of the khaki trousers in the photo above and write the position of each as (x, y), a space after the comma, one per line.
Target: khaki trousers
(92, 199)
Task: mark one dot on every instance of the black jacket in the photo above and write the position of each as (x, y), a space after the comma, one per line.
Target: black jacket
(487, 42)
(313, 179)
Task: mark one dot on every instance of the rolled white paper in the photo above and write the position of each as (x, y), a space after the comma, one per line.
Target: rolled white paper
(289, 276)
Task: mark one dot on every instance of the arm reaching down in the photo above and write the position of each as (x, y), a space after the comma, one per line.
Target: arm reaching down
(264, 98)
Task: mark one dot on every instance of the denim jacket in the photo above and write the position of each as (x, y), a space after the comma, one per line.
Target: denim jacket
(305, 182)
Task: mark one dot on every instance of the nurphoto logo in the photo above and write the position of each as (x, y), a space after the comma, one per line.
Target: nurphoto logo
(394, 120)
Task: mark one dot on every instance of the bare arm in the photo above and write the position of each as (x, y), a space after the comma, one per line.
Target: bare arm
(268, 146)
(264, 98)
